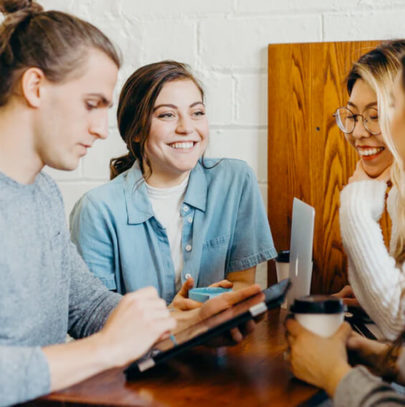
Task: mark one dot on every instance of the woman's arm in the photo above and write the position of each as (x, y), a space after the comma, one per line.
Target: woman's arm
(379, 285)
(243, 278)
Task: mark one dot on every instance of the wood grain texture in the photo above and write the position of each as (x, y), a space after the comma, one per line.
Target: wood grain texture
(308, 156)
(251, 374)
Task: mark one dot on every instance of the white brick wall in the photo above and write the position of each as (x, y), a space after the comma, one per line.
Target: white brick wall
(225, 41)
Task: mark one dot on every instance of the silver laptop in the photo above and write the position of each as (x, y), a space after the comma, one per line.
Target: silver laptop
(302, 236)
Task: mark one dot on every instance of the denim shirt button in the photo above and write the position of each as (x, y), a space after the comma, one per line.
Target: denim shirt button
(188, 248)
(185, 208)
(190, 219)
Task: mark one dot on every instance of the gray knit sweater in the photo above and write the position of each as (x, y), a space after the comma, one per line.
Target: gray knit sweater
(359, 388)
(45, 287)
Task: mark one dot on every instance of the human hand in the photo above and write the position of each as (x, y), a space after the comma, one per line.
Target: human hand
(371, 353)
(316, 360)
(138, 321)
(183, 303)
(348, 297)
(360, 175)
(218, 304)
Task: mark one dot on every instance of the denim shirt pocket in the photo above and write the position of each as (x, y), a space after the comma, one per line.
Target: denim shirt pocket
(216, 242)
(213, 260)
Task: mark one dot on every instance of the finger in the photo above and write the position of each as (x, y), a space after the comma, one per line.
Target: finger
(237, 296)
(294, 328)
(343, 332)
(247, 328)
(344, 292)
(224, 301)
(355, 341)
(236, 335)
(223, 284)
(186, 304)
(188, 285)
(347, 291)
(351, 302)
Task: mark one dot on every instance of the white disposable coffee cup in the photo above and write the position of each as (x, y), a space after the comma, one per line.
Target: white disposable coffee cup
(283, 268)
(320, 314)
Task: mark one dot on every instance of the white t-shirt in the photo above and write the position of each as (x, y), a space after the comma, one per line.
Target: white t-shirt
(166, 204)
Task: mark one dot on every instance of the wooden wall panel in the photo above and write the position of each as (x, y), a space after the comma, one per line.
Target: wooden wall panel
(308, 156)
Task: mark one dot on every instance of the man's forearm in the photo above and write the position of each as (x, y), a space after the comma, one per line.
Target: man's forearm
(75, 361)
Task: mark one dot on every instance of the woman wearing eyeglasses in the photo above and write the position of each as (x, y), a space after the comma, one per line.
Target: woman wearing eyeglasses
(375, 275)
(324, 361)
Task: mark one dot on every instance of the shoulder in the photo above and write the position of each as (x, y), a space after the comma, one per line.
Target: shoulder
(49, 187)
(105, 200)
(109, 193)
(47, 183)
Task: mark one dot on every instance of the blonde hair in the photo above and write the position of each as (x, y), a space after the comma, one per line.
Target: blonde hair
(379, 69)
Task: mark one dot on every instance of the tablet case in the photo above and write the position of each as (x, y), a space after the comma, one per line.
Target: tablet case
(274, 296)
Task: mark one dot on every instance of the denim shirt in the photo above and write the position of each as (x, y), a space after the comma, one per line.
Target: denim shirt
(225, 229)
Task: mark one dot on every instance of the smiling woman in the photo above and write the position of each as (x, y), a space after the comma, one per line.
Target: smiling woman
(324, 361)
(171, 218)
(359, 119)
(365, 134)
(178, 134)
(374, 273)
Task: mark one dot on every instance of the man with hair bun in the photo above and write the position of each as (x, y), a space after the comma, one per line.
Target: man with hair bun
(57, 74)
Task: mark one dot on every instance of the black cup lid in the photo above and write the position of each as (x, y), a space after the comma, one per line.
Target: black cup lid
(318, 304)
(283, 256)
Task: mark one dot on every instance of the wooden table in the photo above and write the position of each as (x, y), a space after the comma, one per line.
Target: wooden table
(254, 373)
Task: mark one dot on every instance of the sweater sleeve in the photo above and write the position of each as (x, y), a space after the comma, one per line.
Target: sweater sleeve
(94, 236)
(360, 388)
(24, 374)
(90, 302)
(377, 282)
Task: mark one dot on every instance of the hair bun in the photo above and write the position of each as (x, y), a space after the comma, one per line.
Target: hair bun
(12, 6)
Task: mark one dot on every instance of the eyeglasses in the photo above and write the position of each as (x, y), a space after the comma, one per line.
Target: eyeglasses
(346, 120)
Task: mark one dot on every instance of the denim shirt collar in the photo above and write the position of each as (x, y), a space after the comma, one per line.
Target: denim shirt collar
(140, 210)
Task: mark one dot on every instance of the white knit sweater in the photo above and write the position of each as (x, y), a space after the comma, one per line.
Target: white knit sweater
(378, 284)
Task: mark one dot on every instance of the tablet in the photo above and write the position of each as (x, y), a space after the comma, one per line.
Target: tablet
(211, 327)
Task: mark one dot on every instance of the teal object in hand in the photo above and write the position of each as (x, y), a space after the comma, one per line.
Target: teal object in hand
(205, 293)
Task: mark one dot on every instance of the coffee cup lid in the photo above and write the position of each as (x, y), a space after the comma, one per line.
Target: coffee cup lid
(318, 304)
(283, 256)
